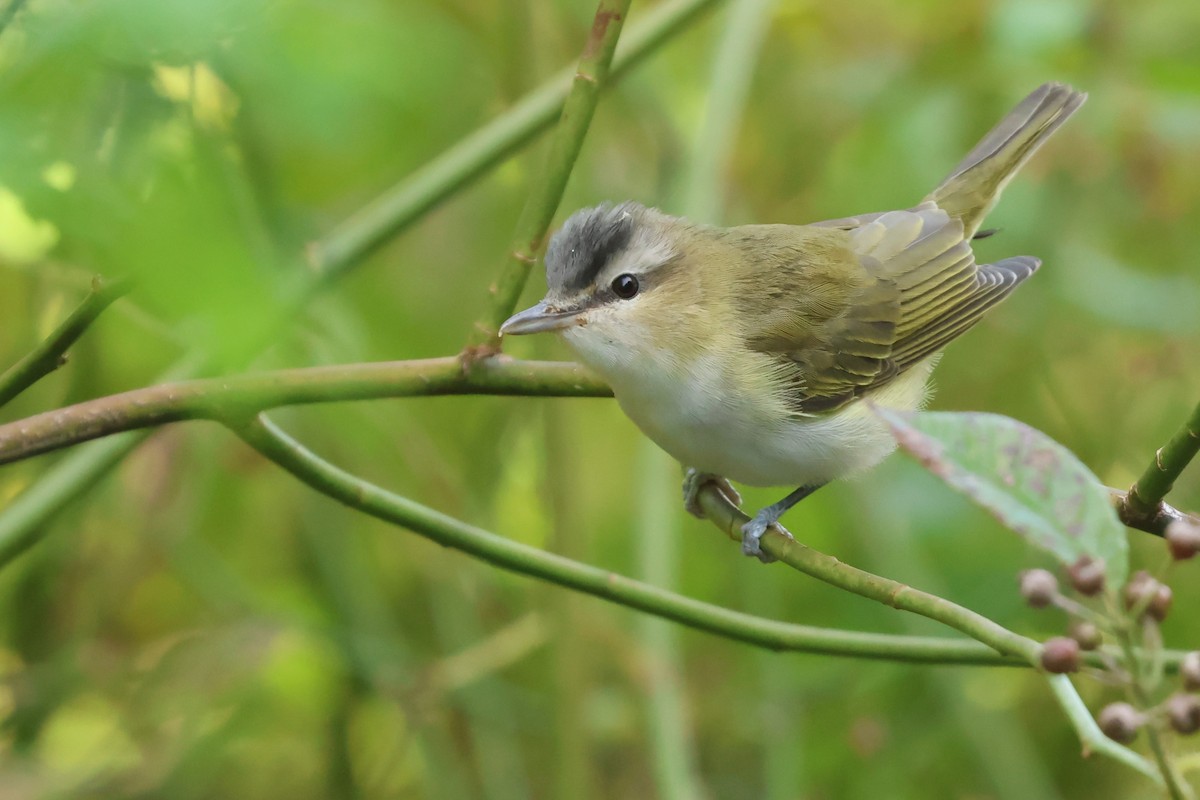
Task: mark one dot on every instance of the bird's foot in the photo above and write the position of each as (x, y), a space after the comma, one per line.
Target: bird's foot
(694, 480)
(755, 529)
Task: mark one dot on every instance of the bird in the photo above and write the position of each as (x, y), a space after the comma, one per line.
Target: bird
(755, 353)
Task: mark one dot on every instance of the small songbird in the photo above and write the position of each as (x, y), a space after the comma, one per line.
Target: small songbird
(747, 353)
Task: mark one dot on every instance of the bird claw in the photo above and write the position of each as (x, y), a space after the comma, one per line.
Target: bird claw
(754, 530)
(695, 480)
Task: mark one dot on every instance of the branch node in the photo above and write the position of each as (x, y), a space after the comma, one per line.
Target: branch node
(472, 354)
(894, 596)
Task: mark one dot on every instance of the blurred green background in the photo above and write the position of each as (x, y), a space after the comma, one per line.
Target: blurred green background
(200, 625)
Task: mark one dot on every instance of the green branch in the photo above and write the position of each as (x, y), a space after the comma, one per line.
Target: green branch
(50, 354)
(729, 518)
(547, 189)
(221, 398)
(360, 495)
(1143, 504)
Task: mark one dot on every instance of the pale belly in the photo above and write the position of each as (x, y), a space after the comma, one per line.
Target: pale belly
(706, 421)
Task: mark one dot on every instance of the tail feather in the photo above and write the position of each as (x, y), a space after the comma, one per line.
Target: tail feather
(973, 187)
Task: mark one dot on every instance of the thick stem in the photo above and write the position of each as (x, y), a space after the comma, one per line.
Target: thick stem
(1143, 503)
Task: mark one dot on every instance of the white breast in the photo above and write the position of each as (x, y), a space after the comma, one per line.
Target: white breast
(700, 414)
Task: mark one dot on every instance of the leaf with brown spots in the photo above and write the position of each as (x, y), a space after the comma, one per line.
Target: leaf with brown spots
(1032, 484)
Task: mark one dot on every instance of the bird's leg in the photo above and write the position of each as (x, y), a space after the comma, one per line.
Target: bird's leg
(694, 480)
(753, 530)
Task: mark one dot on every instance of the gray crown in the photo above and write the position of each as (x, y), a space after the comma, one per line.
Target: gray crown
(585, 243)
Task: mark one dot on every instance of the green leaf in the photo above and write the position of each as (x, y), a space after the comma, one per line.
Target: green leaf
(1028, 481)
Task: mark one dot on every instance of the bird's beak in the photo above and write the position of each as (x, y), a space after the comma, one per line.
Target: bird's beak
(539, 318)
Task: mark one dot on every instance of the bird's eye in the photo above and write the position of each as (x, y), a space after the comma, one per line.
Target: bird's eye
(625, 286)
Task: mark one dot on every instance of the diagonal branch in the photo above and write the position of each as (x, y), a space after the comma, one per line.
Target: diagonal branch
(220, 398)
(261, 434)
(729, 518)
(51, 353)
(1143, 504)
(546, 192)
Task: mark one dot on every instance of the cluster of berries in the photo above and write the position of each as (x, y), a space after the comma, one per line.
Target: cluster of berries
(1145, 602)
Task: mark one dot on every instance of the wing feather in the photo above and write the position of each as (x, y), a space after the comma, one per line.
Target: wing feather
(913, 287)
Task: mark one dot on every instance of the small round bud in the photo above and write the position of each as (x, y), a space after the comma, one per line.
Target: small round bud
(1160, 604)
(1140, 590)
(1183, 711)
(1087, 576)
(1060, 655)
(1039, 587)
(1120, 722)
(1190, 671)
(1086, 634)
(1183, 538)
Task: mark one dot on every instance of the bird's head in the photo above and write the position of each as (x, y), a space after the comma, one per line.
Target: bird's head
(618, 284)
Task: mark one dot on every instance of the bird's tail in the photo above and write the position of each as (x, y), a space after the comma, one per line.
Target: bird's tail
(971, 190)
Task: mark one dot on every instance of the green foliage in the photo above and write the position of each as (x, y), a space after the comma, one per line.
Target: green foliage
(145, 644)
(1032, 484)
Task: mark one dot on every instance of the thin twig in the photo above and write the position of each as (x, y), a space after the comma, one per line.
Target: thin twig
(1142, 507)
(216, 398)
(546, 191)
(1089, 732)
(50, 354)
(1170, 780)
